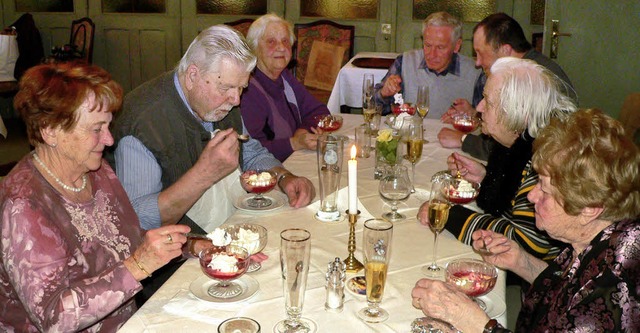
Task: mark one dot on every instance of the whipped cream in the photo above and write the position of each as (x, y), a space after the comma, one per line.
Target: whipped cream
(260, 179)
(248, 239)
(224, 263)
(397, 98)
(219, 237)
(465, 190)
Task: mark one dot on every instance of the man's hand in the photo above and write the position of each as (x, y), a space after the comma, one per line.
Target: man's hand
(299, 190)
(458, 106)
(391, 86)
(450, 138)
(219, 158)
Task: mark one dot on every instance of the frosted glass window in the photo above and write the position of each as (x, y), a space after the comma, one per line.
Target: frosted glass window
(340, 9)
(232, 7)
(466, 10)
(44, 6)
(134, 6)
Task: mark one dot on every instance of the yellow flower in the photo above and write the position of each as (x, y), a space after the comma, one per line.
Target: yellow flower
(385, 135)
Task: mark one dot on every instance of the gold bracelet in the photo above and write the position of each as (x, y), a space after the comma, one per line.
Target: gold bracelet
(139, 266)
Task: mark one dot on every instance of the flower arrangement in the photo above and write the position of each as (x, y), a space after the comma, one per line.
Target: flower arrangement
(387, 146)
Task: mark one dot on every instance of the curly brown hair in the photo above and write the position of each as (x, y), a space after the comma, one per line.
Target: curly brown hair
(50, 94)
(591, 163)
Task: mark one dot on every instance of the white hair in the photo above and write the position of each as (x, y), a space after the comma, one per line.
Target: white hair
(214, 44)
(530, 95)
(259, 26)
(444, 19)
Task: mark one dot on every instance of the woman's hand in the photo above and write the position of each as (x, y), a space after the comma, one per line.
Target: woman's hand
(158, 247)
(469, 169)
(303, 139)
(507, 254)
(441, 300)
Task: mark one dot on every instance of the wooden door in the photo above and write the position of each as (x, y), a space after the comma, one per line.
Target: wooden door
(136, 47)
(602, 54)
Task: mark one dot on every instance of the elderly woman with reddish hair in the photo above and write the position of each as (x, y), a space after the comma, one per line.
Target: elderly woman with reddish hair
(73, 253)
(588, 196)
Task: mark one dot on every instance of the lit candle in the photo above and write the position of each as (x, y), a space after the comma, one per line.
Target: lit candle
(353, 182)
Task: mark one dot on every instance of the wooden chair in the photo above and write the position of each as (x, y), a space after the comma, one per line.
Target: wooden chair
(630, 116)
(324, 31)
(242, 25)
(82, 32)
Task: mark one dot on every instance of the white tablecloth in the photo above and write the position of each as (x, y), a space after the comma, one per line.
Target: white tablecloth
(175, 309)
(348, 87)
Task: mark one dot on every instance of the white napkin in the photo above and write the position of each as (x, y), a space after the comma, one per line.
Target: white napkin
(343, 204)
(185, 304)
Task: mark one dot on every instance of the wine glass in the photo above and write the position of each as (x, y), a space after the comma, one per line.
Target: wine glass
(295, 251)
(422, 101)
(376, 248)
(328, 123)
(258, 182)
(239, 324)
(252, 237)
(368, 102)
(438, 215)
(395, 186)
(473, 277)
(224, 264)
(415, 142)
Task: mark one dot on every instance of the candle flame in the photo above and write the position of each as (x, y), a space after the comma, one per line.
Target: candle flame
(353, 152)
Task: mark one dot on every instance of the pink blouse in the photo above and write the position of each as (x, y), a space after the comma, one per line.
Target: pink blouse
(62, 263)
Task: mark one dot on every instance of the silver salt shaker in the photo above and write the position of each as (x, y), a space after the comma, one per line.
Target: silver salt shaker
(336, 275)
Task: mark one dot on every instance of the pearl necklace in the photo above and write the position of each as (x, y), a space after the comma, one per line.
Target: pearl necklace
(64, 186)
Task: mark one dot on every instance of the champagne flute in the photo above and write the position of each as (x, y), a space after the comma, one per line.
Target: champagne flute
(376, 248)
(395, 186)
(368, 102)
(295, 251)
(439, 205)
(415, 142)
(422, 101)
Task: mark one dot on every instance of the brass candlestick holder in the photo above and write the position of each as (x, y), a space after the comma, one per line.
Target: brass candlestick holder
(353, 265)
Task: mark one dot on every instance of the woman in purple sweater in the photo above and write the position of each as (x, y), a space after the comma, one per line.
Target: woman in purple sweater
(276, 108)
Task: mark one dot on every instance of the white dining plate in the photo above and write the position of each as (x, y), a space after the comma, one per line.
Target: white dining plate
(278, 199)
(200, 286)
(495, 305)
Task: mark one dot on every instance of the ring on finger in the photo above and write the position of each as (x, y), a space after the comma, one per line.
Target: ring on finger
(169, 238)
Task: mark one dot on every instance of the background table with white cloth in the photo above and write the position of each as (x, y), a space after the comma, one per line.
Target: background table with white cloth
(347, 90)
(173, 308)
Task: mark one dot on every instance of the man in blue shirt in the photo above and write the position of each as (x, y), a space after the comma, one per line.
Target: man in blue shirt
(439, 66)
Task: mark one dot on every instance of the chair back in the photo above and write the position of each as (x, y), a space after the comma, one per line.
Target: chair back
(323, 31)
(82, 32)
(242, 25)
(630, 116)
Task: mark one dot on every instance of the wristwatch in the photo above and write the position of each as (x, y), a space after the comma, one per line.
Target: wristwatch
(283, 176)
(491, 324)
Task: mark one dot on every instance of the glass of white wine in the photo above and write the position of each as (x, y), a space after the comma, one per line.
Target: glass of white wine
(376, 248)
(439, 206)
(415, 141)
(368, 102)
(422, 101)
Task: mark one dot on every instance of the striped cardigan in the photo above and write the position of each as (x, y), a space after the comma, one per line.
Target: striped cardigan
(518, 223)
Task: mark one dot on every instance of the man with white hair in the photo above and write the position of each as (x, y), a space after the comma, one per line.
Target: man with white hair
(177, 151)
(448, 74)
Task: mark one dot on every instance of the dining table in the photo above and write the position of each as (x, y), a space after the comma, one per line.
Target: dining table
(175, 307)
(347, 90)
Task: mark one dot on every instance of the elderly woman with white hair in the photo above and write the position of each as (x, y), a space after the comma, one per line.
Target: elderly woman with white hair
(277, 109)
(520, 98)
(589, 197)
